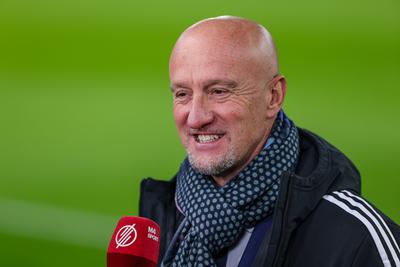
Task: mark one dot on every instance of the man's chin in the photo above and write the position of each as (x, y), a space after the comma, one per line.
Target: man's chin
(210, 165)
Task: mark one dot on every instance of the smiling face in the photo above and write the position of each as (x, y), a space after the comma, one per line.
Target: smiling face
(222, 100)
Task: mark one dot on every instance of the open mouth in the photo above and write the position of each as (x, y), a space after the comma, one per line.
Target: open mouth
(207, 138)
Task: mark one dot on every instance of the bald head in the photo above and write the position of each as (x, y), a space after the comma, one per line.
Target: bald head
(228, 37)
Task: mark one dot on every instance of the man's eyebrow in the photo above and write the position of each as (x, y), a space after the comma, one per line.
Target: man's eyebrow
(208, 83)
(176, 85)
(227, 83)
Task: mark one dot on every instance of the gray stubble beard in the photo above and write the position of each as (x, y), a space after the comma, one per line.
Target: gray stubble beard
(214, 165)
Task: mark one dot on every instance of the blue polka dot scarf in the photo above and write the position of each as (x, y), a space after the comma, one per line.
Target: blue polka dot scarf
(215, 217)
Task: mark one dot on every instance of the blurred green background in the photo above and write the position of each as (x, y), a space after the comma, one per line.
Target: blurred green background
(85, 107)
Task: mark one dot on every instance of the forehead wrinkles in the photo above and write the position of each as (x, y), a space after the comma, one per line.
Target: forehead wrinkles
(196, 58)
(209, 73)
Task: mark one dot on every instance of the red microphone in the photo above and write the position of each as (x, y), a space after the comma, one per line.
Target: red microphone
(135, 243)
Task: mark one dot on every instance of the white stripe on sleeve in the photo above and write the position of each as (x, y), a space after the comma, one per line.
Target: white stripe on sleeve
(375, 237)
(377, 215)
(368, 214)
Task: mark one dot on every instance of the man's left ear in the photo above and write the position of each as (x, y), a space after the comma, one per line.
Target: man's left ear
(276, 94)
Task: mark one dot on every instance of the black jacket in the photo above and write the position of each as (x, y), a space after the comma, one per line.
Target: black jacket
(312, 225)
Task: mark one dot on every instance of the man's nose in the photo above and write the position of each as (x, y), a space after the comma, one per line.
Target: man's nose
(200, 114)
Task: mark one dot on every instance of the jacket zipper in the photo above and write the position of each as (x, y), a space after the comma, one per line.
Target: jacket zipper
(282, 243)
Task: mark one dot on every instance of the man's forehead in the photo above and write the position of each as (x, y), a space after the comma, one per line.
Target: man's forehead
(211, 53)
(212, 65)
(205, 70)
(208, 47)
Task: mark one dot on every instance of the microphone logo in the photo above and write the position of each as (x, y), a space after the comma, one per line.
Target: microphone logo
(126, 236)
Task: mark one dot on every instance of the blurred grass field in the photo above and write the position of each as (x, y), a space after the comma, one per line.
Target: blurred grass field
(85, 107)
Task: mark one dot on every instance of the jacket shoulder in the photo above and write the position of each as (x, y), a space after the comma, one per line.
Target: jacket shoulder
(345, 230)
(157, 202)
(382, 234)
(154, 195)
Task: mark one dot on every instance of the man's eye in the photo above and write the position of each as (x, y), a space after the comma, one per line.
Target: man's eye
(180, 94)
(218, 91)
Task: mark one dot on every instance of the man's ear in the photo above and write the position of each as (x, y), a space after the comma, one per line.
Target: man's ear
(276, 95)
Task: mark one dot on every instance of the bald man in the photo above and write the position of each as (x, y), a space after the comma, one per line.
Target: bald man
(255, 190)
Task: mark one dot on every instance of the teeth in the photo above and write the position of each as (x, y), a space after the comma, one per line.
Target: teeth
(207, 138)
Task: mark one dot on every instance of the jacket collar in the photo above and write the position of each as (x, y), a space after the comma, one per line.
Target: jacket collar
(321, 169)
